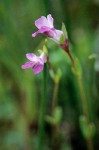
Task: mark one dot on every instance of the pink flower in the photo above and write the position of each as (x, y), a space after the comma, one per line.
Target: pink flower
(35, 62)
(45, 26)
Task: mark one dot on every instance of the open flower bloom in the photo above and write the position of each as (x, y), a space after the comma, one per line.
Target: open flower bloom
(35, 62)
(45, 26)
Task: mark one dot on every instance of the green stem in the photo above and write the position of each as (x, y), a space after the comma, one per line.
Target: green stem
(89, 141)
(84, 99)
(70, 56)
(55, 128)
(54, 101)
(41, 131)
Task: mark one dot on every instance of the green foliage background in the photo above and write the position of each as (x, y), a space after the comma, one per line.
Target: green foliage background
(20, 90)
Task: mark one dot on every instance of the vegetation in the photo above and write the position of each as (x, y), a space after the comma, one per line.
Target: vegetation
(72, 109)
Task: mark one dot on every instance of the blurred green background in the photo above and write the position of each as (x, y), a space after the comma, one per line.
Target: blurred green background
(20, 90)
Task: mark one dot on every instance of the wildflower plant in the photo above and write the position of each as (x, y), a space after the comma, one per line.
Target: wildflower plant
(38, 64)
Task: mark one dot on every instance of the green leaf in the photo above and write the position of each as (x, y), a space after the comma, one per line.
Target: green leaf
(58, 75)
(52, 75)
(64, 31)
(62, 39)
(92, 56)
(45, 50)
(88, 129)
(56, 117)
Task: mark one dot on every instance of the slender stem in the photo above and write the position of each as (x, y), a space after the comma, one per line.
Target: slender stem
(85, 111)
(55, 128)
(84, 100)
(43, 110)
(70, 56)
(56, 86)
(89, 144)
(84, 103)
(54, 101)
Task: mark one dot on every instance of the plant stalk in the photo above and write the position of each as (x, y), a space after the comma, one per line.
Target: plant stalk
(54, 101)
(41, 131)
(84, 100)
(84, 103)
(85, 111)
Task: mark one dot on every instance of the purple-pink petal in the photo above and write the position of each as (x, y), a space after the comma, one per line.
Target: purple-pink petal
(42, 30)
(36, 62)
(45, 26)
(57, 35)
(27, 65)
(50, 20)
(43, 58)
(41, 22)
(31, 56)
(37, 68)
(35, 33)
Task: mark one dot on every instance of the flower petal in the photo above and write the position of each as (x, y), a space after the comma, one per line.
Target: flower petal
(27, 65)
(31, 56)
(42, 22)
(43, 57)
(50, 20)
(35, 33)
(37, 68)
(57, 35)
(42, 30)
